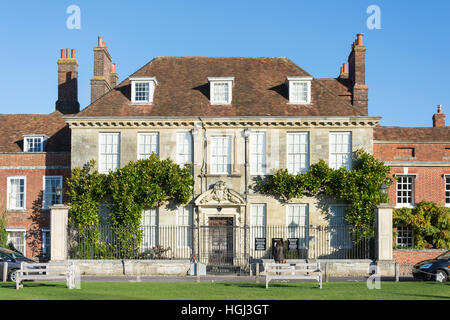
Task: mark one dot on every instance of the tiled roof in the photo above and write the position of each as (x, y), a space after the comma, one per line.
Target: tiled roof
(412, 134)
(14, 126)
(259, 90)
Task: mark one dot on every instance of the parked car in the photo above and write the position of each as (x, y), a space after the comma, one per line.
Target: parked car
(435, 269)
(14, 260)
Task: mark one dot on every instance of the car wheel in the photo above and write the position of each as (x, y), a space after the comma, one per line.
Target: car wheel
(12, 276)
(440, 276)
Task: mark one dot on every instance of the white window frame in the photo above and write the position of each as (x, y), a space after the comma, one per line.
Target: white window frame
(44, 188)
(409, 237)
(153, 147)
(184, 139)
(447, 190)
(332, 163)
(184, 231)
(44, 239)
(258, 162)
(213, 81)
(404, 204)
(257, 229)
(102, 165)
(213, 157)
(8, 191)
(150, 237)
(152, 82)
(303, 231)
(293, 97)
(292, 168)
(24, 231)
(26, 144)
(345, 243)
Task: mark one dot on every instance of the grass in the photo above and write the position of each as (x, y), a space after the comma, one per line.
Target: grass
(226, 291)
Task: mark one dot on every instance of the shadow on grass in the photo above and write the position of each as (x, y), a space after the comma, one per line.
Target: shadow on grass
(12, 285)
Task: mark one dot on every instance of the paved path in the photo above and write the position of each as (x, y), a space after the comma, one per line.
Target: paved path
(218, 278)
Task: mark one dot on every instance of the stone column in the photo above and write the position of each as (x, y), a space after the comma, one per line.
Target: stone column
(58, 232)
(383, 232)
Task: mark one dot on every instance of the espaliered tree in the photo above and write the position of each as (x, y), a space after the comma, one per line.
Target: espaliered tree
(360, 187)
(126, 192)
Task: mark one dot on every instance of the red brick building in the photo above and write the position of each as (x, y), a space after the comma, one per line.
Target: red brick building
(34, 161)
(420, 160)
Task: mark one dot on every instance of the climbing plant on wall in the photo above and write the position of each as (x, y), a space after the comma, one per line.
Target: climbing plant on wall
(360, 187)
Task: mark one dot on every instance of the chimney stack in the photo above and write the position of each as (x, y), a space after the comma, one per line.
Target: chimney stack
(101, 81)
(439, 118)
(67, 102)
(114, 77)
(357, 74)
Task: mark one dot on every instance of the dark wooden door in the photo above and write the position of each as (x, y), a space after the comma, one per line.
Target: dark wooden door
(220, 241)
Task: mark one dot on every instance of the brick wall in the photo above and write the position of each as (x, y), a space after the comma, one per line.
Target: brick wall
(408, 258)
(422, 152)
(34, 167)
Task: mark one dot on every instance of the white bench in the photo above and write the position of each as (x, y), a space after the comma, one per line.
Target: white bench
(46, 271)
(292, 271)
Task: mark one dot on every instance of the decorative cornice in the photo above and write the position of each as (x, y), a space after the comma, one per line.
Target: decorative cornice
(224, 122)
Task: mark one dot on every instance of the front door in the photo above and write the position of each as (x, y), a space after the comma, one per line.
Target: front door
(220, 241)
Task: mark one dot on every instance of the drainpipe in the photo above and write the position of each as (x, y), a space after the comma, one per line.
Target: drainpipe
(246, 135)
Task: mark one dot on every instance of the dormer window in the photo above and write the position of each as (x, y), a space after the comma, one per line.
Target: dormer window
(34, 143)
(299, 90)
(142, 89)
(221, 90)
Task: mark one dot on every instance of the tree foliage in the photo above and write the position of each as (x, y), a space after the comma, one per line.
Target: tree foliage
(430, 224)
(3, 233)
(127, 191)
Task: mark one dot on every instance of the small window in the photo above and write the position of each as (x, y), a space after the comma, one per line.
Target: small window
(16, 192)
(148, 144)
(17, 238)
(299, 90)
(341, 150)
(221, 90)
(404, 237)
(221, 154)
(298, 152)
(405, 153)
(447, 190)
(50, 196)
(258, 153)
(142, 89)
(33, 143)
(405, 188)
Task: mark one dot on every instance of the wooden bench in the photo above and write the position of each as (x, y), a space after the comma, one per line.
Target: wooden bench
(46, 271)
(292, 271)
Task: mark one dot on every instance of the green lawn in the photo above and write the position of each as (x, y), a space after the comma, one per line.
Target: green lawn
(225, 291)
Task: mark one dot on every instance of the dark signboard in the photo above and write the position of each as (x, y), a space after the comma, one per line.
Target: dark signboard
(293, 243)
(260, 244)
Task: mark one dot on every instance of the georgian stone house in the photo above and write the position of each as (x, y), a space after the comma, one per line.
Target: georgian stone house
(236, 119)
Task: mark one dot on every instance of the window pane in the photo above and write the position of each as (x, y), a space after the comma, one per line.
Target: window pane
(148, 144)
(340, 150)
(298, 152)
(109, 152)
(221, 154)
(258, 152)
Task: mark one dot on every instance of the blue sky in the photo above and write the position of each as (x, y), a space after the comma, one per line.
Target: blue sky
(407, 60)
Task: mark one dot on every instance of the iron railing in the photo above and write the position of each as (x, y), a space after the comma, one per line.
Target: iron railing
(219, 245)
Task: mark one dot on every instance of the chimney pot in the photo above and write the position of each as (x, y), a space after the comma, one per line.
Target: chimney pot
(73, 54)
(345, 68)
(100, 40)
(113, 67)
(439, 108)
(62, 53)
(342, 69)
(67, 53)
(359, 40)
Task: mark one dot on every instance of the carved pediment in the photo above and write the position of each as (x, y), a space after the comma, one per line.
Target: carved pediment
(220, 194)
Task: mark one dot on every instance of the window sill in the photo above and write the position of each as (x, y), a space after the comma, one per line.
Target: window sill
(399, 206)
(17, 210)
(208, 175)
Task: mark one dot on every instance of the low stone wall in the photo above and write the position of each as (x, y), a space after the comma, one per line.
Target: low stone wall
(407, 258)
(345, 268)
(133, 267)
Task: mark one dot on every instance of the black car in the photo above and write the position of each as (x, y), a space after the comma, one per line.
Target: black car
(14, 259)
(435, 269)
